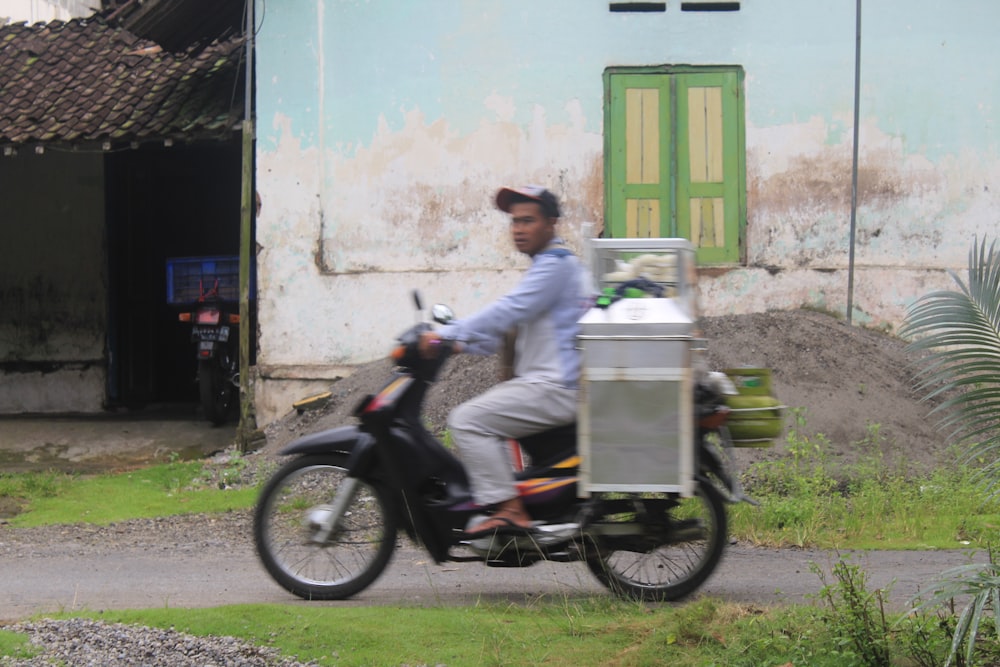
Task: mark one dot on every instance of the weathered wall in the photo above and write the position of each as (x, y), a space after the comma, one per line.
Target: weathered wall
(384, 129)
(53, 311)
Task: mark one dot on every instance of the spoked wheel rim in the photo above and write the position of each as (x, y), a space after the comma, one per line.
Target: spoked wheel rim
(288, 525)
(678, 556)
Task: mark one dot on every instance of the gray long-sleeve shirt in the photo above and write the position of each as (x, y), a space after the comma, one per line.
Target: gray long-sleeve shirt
(545, 306)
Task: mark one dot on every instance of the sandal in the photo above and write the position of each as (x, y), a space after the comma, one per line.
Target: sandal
(500, 523)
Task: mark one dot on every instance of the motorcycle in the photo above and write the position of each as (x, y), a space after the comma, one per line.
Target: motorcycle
(215, 331)
(326, 522)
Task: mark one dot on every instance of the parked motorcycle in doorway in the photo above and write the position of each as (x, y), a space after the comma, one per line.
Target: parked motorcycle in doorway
(209, 286)
(215, 332)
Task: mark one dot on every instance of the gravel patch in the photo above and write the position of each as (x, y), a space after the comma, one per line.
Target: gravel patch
(187, 534)
(78, 641)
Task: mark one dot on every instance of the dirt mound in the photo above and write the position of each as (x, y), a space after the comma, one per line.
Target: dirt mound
(844, 382)
(850, 384)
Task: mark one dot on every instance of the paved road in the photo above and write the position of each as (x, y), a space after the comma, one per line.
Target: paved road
(127, 578)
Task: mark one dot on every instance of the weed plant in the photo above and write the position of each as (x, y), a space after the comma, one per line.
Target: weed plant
(32, 484)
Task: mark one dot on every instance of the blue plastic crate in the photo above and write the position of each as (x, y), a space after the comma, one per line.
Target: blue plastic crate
(190, 279)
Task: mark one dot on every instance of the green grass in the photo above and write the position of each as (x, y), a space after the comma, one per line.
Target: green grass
(16, 645)
(161, 490)
(807, 501)
(571, 632)
(940, 511)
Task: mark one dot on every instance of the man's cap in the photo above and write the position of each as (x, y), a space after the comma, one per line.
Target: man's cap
(508, 196)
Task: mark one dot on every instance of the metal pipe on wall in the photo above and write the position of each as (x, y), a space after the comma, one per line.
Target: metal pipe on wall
(248, 210)
(854, 165)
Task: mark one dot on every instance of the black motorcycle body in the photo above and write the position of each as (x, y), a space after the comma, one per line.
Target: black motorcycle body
(326, 523)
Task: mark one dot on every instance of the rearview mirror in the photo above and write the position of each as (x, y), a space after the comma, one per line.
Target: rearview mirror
(442, 314)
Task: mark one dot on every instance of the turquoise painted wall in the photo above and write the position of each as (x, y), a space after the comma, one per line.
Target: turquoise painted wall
(385, 126)
(925, 62)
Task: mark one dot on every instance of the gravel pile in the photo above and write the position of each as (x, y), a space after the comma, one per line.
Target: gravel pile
(84, 642)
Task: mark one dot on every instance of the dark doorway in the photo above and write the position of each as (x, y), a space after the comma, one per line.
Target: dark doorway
(179, 201)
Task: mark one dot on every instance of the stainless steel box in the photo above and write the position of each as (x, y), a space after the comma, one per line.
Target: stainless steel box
(636, 410)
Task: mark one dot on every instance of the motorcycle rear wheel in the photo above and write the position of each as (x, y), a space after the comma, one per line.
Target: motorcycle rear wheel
(215, 390)
(682, 545)
(346, 562)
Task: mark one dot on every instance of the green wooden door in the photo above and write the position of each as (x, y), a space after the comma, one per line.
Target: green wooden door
(674, 161)
(639, 167)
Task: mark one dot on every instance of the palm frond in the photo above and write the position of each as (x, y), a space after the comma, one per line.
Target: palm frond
(977, 582)
(956, 334)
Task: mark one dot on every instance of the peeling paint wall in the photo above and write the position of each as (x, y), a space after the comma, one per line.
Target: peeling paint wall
(385, 128)
(53, 308)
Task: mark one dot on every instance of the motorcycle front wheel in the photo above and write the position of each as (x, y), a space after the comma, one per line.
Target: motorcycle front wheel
(300, 551)
(216, 390)
(659, 549)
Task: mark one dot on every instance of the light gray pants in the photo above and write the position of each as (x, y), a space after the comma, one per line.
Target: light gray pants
(481, 427)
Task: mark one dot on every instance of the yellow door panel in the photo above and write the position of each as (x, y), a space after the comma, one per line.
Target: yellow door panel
(708, 222)
(642, 135)
(705, 134)
(642, 218)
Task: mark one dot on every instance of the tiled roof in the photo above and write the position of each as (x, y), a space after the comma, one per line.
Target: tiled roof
(85, 81)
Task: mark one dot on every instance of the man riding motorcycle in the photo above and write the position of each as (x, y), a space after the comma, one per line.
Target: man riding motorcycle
(544, 307)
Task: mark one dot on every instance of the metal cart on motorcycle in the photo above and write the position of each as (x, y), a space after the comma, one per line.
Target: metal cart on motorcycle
(637, 490)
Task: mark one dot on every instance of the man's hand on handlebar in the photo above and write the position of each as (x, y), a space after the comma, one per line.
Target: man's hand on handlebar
(430, 342)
